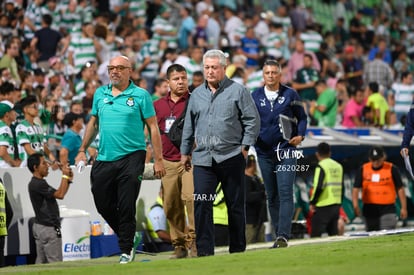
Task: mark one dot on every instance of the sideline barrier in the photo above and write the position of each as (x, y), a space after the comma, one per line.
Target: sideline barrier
(75, 234)
(79, 196)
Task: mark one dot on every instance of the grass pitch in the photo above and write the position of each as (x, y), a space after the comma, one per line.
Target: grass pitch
(392, 254)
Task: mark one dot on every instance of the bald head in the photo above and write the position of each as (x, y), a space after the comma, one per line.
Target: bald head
(119, 70)
(121, 59)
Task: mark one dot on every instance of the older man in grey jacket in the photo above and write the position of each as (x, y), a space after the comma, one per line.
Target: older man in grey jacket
(220, 124)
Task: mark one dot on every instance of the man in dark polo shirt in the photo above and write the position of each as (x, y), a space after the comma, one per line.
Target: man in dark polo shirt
(46, 228)
(177, 184)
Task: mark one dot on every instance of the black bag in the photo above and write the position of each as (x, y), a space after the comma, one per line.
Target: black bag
(176, 131)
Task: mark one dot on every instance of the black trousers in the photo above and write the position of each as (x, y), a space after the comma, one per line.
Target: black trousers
(221, 235)
(231, 175)
(115, 189)
(2, 260)
(325, 219)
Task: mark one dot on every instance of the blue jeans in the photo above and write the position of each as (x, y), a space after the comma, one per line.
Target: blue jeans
(278, 181)
(231, 175)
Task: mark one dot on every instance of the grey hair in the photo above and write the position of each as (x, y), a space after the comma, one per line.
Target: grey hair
(216, 54)
(272, 62)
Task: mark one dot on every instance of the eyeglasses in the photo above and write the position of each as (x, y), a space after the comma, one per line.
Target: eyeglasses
(118, 68)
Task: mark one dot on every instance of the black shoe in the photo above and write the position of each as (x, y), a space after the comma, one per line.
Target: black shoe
(280, 243)
(204, 254)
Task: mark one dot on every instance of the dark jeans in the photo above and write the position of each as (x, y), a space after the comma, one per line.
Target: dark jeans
(115, 189)
(221, 235)
(231, 175)
(279, 177)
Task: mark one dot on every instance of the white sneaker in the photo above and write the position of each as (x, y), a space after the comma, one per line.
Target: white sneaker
(124, 259)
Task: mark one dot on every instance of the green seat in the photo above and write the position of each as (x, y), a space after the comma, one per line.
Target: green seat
(347, 201)
(301, 198)
(409, 193)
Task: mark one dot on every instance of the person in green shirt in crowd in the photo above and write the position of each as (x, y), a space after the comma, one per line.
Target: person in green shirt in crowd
(305, 79)
(160, 89)
(325, 108)
(378, 105)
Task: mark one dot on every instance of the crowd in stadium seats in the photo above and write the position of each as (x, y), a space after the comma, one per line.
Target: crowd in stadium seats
(65, 45)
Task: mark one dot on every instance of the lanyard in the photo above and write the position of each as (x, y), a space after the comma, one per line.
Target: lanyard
(171, 108)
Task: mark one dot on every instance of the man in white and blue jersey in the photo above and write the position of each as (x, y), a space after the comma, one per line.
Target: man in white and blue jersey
(402, 94)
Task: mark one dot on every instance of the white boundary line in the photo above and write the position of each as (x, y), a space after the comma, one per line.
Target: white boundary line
(348, 236)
